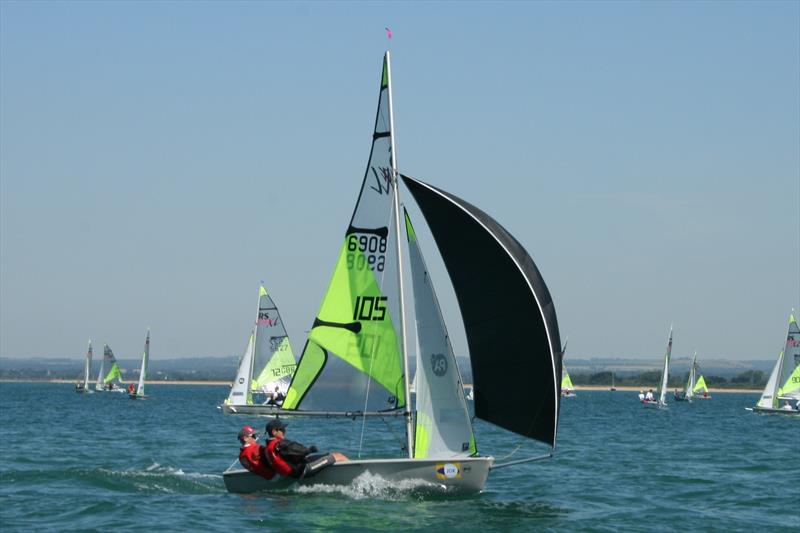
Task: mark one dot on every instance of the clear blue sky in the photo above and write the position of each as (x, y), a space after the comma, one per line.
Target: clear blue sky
(158, 159)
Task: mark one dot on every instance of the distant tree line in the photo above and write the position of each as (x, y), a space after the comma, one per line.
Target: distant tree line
(751, 379)
(174, 375)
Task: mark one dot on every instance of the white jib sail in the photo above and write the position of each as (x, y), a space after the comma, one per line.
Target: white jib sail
(443, 428)
(143, 370)
(662, 389)
(87, 367)
(769, 398)
(239, 394)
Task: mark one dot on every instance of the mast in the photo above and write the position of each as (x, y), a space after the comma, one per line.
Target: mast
(397, 229)
(662, 390)
(143, 370)
(87, 367)
(247, 393)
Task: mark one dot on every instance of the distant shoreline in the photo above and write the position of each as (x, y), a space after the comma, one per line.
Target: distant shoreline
(160, 382)
(669, 391)
(228, 384)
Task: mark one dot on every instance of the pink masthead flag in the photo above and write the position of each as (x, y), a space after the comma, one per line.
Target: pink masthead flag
(388, 33)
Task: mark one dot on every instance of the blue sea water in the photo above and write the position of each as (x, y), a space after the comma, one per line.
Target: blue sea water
(102, 462)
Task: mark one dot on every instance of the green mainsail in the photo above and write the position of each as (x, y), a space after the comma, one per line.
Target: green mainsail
(356, 322)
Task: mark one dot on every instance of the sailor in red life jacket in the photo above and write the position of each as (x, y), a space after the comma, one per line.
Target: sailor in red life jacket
(289, 458)
(276, 431)
(251, 454)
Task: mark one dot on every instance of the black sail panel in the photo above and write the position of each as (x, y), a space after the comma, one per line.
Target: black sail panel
(509, 316)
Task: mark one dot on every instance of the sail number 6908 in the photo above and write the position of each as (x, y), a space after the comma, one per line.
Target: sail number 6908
(372, 248)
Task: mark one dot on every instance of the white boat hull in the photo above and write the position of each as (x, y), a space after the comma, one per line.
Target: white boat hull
(770, 411)
(257, 410)
(453, 475)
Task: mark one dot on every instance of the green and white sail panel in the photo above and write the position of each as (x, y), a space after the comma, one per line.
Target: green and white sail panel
(566, 382)
(273, 359)
(443, 428)
(99, 384)
(784, 381)
(240, 391)
(87, 368)
(700, 386)
(113, 376)
(662, 386)
(143, 369)
(690, 383)
(352, 358)
(789, 379)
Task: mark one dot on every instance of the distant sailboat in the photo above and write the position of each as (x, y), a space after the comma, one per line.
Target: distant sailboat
(613, 388)
(267, 365)
(566, 384)
(662, 385)
(688, 391)
(700, 390)
(87, 368)
(139, 394)
(113, 378)
(567, 389)
(783, 387)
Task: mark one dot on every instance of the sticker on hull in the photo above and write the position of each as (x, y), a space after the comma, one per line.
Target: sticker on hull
(448, 471)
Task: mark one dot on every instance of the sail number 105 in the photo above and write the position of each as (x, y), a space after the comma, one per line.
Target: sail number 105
(369, 308)
(372, 248)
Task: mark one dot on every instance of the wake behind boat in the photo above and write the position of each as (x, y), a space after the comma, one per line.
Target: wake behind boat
(355, 359)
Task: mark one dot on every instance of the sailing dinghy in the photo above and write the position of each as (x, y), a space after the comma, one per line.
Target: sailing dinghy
(83, 388)
(688, 391)
(355, 362)
(139, 394)
(112, 380)
(567, 389)
(700, 390)
(782, 393)
(662, 384)
(267, 366)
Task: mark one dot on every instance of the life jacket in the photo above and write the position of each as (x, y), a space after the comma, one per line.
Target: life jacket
(291, 451)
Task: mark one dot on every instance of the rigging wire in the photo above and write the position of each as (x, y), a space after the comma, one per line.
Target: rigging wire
(372, 352)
